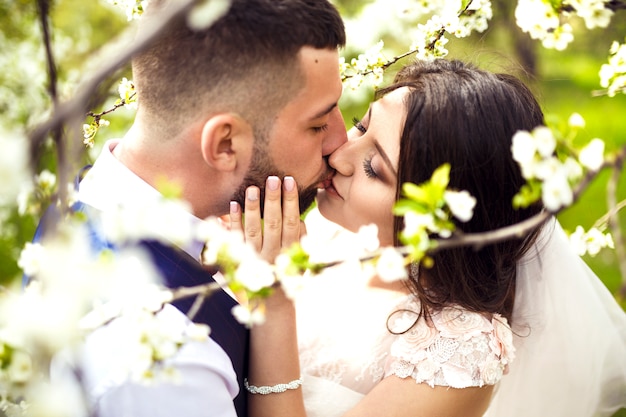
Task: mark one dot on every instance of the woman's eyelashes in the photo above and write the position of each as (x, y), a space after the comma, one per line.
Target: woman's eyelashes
(368, 169)
(357, 123)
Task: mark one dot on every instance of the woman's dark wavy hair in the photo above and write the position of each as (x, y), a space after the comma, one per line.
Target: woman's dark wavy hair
(465, 116)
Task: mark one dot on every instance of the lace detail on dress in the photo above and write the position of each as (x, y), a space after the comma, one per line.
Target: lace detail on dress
(455, 348)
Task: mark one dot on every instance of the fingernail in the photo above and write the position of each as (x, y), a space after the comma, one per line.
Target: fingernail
(289, 183)
(252, 193)
(234, 207)
(273, 183)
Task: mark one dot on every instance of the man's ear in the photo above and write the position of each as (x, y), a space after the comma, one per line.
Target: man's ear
(226, 142)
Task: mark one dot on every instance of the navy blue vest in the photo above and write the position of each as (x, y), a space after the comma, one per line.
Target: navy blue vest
(181, 270)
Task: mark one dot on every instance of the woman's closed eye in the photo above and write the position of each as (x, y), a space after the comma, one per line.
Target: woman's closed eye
(368, 169)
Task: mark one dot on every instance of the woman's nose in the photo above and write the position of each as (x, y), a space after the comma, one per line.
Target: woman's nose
(342, 159)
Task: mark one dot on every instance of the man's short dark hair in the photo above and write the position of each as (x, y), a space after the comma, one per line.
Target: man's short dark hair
(246, 62)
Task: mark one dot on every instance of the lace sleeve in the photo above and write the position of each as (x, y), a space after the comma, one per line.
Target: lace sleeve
(456, 348)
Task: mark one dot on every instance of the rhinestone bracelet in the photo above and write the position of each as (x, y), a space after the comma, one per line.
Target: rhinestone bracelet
(274, 389)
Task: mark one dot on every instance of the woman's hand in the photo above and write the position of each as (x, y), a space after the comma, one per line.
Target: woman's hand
(281, 225)
(276, 337)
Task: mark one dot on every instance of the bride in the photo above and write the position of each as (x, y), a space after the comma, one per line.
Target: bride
(515, 328)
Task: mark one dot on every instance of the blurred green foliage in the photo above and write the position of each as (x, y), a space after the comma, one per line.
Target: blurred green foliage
(564, 82)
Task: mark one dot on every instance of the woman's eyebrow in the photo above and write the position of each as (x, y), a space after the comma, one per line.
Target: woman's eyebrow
(383, 155)
(380, 149)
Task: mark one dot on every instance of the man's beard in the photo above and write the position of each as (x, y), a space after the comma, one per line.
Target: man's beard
(262, 167)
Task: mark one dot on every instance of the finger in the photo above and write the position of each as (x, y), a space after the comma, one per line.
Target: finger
(272, 219)
(302, 229)
(235, 219)
(252, 222)
(291, 213)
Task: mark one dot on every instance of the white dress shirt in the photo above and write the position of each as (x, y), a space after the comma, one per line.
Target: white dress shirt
(208, 382)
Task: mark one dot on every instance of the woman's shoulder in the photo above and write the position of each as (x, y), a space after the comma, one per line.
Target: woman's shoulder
(452, 347)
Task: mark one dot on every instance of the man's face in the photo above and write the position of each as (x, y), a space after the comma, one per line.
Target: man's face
(307, 130)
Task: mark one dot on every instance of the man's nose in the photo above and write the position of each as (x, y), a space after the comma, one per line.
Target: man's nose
(341, 160)
(336, 133)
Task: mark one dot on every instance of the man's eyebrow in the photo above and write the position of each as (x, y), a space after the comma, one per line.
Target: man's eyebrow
(324, 112)
(385, 157)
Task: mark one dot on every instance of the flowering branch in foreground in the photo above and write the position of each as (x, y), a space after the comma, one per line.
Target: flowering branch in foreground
(428, 43)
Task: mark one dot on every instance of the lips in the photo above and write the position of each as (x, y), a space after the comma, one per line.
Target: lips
(328, 182)
(329, 187)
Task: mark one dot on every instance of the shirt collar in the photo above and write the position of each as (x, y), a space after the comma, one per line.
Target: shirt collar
(109, 184)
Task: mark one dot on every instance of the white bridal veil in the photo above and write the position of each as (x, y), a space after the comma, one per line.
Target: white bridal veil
(570, 338)
(570, 335)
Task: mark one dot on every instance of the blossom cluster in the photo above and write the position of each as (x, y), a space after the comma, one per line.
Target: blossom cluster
(133, 8)
(428, 209)
(458, 18)
(551, 175)
(590, 242)
(371, 61)
(613, 74)
(127, 98)
(549, 21)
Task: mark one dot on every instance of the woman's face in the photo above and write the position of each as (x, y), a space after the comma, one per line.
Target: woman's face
(363, 189)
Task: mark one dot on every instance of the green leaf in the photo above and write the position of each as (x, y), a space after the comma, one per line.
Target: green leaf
(414, 192)
(441, 176)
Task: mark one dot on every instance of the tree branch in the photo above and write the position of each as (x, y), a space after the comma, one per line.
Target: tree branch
(43, 7)
(76, 107)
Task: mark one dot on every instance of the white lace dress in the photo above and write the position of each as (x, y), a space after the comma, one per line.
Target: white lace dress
(570, 336)
(346, 347)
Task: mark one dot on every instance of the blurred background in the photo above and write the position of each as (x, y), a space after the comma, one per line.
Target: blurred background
(564, 81)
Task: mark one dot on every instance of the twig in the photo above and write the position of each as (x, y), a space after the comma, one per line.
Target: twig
(431, 45)
(201, 292)
(75, 107)
(98, 116)
(56, 132)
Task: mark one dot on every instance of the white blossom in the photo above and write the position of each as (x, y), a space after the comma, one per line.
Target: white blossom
(590, 242)
(573, 169)
(160, 220)
(461, 204)
(576, 121)
(592, 155)
(544, 141)
(593, 12)
(416, 222)
(390, 265)
(559, 38)
(367, 236)
(20, 368)
(127, 92)
(613, 74)
(557, 192)
(255, 274)
(523, 147)
(545, 169)
(133, 8)
(31, 258)
(248, 317)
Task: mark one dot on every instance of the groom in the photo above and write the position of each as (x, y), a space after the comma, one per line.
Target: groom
(219, 109)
